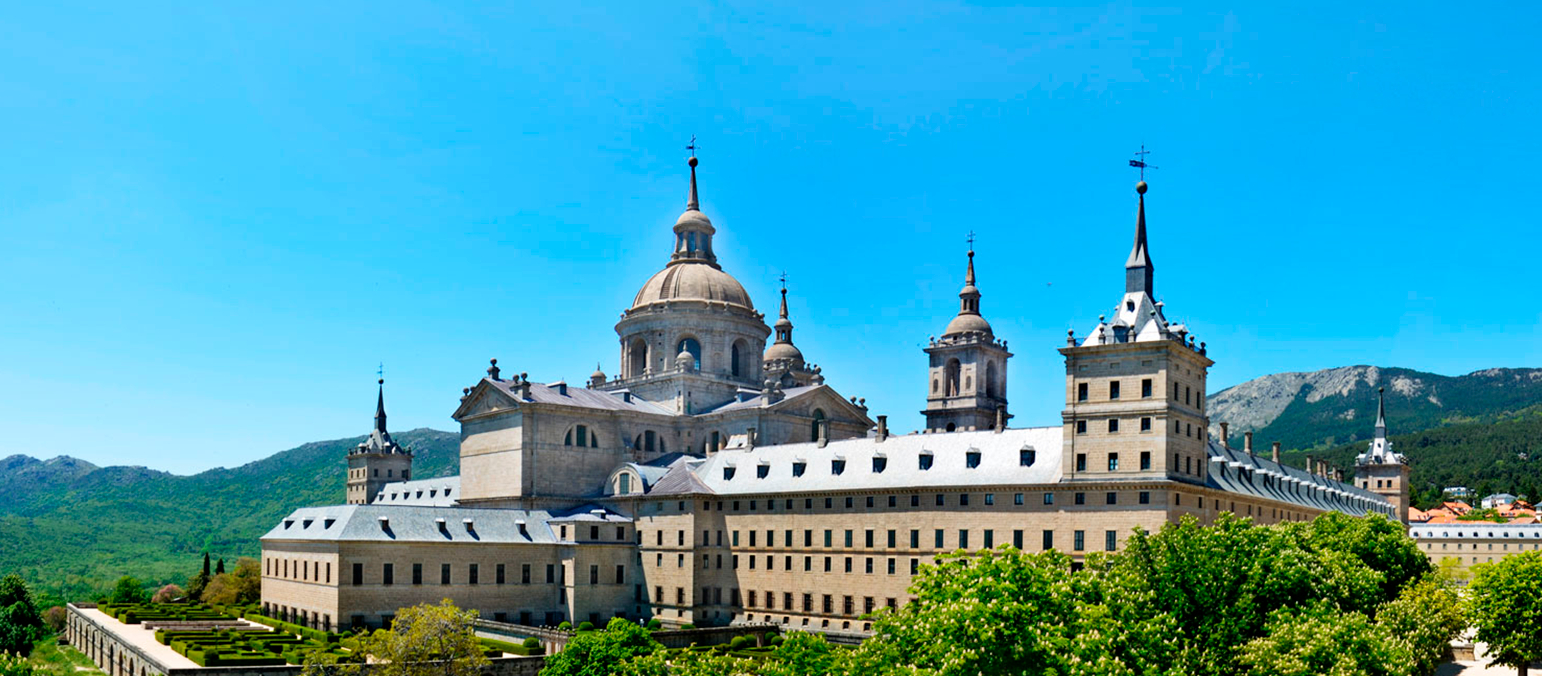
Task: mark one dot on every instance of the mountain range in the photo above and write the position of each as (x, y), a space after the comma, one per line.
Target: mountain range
(71, 528)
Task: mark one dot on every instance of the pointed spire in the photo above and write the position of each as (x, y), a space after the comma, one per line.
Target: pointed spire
(1381, 413)
(1138, 268)
(969, 296)
(691, 202)
(783, 324)
(380, 415)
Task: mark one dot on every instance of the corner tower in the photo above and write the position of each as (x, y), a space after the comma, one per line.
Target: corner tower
(1135, 387)
(968, 369)
(1380, 470)
(378, 460)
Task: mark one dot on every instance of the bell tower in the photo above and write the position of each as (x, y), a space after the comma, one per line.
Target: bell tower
(968, 369)
(378, 460)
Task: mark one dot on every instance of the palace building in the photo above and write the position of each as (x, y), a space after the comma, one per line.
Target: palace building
(717, 480)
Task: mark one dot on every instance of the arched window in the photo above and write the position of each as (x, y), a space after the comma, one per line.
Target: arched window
(581, 436)
(690, 345)
(990, 380)
(637, 358)
(935, 385)
(733, 360)
(624, 484)
(950, 377)
(819, 419)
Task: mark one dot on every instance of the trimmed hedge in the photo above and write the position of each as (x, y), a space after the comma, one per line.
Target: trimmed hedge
(514, 649)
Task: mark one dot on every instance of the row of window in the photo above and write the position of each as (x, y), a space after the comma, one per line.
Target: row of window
(594, 532)
(555, 574)
(939, 542)
(1504, 546)
(871, 502)
(299, 569)
(1083, 393)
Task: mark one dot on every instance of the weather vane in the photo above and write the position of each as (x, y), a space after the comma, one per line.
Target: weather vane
(380, 372)
(692, 146)
(1140, 161)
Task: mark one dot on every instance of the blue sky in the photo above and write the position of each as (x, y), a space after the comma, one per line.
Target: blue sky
(216, 219)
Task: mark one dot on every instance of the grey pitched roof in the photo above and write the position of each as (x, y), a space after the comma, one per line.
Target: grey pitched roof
(441, 492)
(656, 469)
(1236, 471)
(1476, 531)
(392, 523)
(681, 479)
(578, 396)
(759, 401)
(998, 463)
(587, 513)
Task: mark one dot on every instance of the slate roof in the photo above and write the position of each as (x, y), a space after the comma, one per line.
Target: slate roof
(550, 393)
(657, 468)
(1236, 471)
(759, 401)
(440, 492)
(1477, 531)
(392, 523)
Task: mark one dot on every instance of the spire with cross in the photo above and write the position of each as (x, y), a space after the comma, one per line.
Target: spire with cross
(1140, 162)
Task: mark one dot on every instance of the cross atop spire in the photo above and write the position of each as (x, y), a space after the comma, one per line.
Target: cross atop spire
(380, 414)
(691, 202)
(1140, 162)
(1381, 413)
(1138, 268)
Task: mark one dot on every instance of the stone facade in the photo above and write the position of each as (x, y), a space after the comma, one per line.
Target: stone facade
(704, 487)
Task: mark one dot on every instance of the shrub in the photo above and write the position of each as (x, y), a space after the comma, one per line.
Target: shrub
(687, 626)
(532, 642)
(738, 642)
(655, 625)
(586, 626)
(565, 626)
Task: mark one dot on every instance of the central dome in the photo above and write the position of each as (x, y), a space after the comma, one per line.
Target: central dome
(692, 281)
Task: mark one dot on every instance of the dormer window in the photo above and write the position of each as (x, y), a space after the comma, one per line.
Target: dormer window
(762, 471)
(1026, 456)
(925, 461)
(879, 464)
(972, 459)
(728, 473)
(798, 468)
(837, 466)
(288, 523)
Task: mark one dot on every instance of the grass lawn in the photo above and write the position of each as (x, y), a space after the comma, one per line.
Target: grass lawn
(51, 658)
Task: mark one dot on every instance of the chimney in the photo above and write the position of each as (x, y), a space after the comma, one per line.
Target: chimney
(883, 428)
(1311, 467)
(1247, 442)
(1001, 419)
(824, 433)
(749, 437)
(1274, 453)
(1224, 432)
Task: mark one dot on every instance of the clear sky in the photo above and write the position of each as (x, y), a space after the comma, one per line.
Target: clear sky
(216, 219)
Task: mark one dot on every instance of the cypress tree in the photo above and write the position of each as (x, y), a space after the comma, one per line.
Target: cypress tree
(205, 564)
(219, 568)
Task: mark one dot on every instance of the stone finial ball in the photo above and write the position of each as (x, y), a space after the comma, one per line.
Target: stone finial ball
(691, 161)
(1140, 187)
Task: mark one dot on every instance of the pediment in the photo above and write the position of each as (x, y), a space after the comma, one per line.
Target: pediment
(830, 401)
(485, 399)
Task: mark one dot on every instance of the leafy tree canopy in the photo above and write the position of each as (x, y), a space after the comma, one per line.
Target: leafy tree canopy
(601, 653)
(1506, 605)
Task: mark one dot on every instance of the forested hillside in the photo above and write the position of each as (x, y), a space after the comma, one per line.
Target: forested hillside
(71, 528)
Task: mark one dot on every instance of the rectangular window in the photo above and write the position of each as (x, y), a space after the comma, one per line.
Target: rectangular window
(1113, 462)
(752, 538)
(848, 564)
(868, 565)
(620, 574)
(827, 564)
(1049, 540)
(1145, 459)
(1110, 540)
(939, 500)
(915, 566)
(848, 538)
(1112, 498)
(848, 502)
(1145, 387)
(915, 539)
(444, 573)
(1078, 540)
(417, 573)
(893, 501)
(1017, 498)
(829, 604)
(963, 500)
(1081, 462)
(524, 573)
(1113, 425)
(892, 538)
(990, 498)
(1081, 427)
(736, 538)
(924, 461)
(808, 563)
(829, 538)
(1049, 498)
(358, 574)
(989, 538)
(471, 574)
(938, 538)
(1145, 497)
(1113, 390)
(551, 573)
(1081, 391)
(891, 566)
(868, 538)
(963, 538)
(387, 574)
(1025, 457)
(1081, 499)
(915, 501)
(1017, 538)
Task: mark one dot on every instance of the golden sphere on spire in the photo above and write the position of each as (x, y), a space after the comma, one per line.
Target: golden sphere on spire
(691, 161)
(1140, 187)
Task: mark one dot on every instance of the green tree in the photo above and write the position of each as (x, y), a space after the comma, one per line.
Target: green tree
(601, 653)
(20, 623)
(15, 665)
(247, 580)
(221, 591)
(1506, 604)
(1427, 615)
(424, 640)
(129, 590)
(1322, 640)
(219, 569)
(54, 618)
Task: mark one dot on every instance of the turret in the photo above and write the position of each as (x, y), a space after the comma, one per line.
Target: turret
(378, 460)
